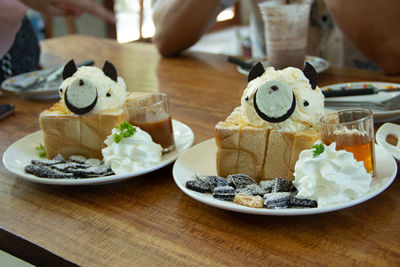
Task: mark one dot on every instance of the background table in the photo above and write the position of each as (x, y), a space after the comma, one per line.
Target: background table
(148, 220)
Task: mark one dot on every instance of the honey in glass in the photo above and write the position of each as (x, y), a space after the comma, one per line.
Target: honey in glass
(360, 145)
(353, 131)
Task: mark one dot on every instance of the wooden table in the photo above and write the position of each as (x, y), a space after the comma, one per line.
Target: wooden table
(148, 220)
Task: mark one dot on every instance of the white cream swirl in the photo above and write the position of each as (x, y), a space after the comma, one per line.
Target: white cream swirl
(309, 102)
(131, 154)
(331, 178)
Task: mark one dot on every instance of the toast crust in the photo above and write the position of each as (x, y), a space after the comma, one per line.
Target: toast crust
(259, 152)
(69, 134)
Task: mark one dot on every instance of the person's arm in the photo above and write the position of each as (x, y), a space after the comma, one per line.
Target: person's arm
(70, 7)
(12, 13)
(180, 23)
(373, 27)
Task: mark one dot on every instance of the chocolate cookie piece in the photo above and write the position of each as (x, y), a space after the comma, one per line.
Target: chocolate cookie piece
(268, 185)
(97, 175)
(277, 200)
(76, 167)
(65, 167)
(110, 71)
(224, 192)
(256, 71)
(215, 181)
(46, 162)
(59, 157)
(81, 96)
(282, 185)
(274, 101)
(77, 159)
(296, 202)
(93, 162)
(93, 171)
(46, 172)
(240, 180)
(252, 189)
(69, 69)
(311, 75)
(198, 186)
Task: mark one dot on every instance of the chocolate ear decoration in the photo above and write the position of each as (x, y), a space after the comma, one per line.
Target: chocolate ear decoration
(311, 75)
(256, 71)
(110, 71)
(69, 69)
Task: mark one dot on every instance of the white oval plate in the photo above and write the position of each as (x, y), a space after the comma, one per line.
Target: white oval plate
(383, 131)
(20, 153)
(318, 63)
(200, 159)
(41, 93)
(379, 115)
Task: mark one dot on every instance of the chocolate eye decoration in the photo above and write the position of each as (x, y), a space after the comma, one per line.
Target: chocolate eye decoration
(305, 103)
(108, 94)
(61, 90)
(247, 98)
(274, 101)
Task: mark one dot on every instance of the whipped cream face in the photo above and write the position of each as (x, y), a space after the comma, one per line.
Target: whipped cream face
(331, 178)
(309, 102)
(110, 94)
(131, 154)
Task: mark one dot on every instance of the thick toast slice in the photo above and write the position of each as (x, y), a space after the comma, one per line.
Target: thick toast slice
(258, 152)
(69, 134)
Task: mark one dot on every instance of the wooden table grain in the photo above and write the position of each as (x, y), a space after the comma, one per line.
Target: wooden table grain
(148, 221)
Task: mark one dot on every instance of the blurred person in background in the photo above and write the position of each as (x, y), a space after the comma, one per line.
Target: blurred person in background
(19, 45)
(358, 33)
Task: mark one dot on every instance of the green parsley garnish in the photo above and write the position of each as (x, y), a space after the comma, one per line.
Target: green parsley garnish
(41, 150)
(125, 130)
(318, 149)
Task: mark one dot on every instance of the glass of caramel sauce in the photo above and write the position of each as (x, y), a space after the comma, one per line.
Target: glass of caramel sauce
(353, 131)
(151, 113)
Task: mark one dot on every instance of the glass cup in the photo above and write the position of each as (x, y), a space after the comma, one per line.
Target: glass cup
(353, 131)
(256, 30)
(151, 113)
(286, 28)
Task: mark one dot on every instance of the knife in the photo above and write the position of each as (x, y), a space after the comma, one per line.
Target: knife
(358, 91)
(387, 105)
(51, 76)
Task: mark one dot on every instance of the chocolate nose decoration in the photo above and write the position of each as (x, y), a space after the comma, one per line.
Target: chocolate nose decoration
(274, 101)
(81, 96)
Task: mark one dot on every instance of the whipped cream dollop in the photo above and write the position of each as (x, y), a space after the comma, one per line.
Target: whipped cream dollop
(131, 154)
(309, 102)
(331, 178)
(111, 95)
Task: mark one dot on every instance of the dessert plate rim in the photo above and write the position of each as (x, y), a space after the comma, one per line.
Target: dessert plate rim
(39, 94)
(379, 116)
(21, 152)
(383, 131)
(200, 159)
